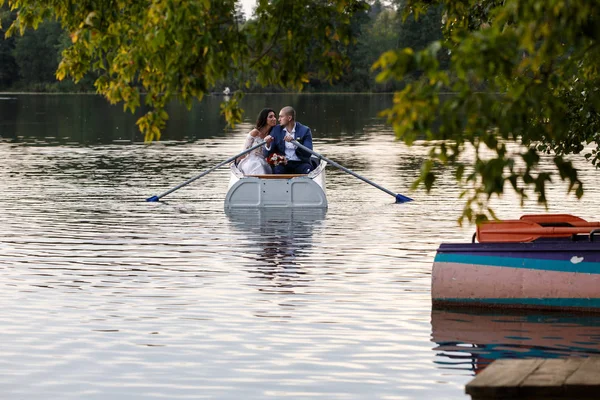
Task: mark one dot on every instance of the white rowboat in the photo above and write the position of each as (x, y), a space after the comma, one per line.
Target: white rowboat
(277, 190)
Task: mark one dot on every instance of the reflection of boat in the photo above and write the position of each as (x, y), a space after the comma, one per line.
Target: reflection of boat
(543, 262)
(280, 240)
(281, 222)
(277, 191)
(472, 340)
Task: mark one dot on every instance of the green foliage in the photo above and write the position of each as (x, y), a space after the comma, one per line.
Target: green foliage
(375, 29)
(537, 63)
(9, 70)
(380, 29)
(36, 53)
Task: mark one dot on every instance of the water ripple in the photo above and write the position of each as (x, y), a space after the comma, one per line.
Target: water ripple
(107, 296)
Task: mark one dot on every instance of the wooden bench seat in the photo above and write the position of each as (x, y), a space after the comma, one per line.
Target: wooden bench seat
(277, 176)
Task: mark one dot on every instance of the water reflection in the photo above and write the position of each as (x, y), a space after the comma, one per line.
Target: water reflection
(89, 119)
(330, 116)
(278, 240)
(472, 340)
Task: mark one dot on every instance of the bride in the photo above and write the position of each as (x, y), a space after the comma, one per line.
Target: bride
(254, 163)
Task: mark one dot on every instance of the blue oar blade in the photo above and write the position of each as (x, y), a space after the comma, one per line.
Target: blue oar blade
(402, 199)
(153, 198)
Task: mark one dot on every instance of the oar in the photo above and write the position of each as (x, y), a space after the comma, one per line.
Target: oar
(230, 159)
(558, 220)
(399, 198)
(523, 231)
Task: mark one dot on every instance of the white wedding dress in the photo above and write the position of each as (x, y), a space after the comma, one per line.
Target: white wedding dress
(254, 163)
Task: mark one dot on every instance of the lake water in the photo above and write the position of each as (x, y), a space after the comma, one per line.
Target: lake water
(106, 296)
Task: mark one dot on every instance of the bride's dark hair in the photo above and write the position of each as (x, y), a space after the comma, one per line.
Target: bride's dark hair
(261, 120)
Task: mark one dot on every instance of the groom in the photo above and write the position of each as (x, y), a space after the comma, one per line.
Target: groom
(279, 141)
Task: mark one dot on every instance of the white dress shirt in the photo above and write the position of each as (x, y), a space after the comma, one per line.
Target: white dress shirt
(290, 148)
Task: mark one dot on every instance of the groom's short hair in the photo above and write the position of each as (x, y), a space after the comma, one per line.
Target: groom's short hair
(288, 110)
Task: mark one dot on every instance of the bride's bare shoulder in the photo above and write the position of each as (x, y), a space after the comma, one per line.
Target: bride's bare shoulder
(254, 132)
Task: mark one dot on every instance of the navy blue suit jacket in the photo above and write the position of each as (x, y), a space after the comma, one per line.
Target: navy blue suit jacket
(303, 136)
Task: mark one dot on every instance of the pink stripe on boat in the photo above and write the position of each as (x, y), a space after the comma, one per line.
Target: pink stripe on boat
(467, 281)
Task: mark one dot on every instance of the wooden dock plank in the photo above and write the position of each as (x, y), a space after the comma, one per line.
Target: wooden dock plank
(550, 377)
(585, 381)
(502, 378)
(570, 378)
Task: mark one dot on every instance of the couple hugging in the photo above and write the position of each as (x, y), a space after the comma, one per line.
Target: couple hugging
(278, 155)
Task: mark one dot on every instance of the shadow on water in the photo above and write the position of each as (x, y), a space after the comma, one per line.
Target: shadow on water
(470, 341)
(278, 239)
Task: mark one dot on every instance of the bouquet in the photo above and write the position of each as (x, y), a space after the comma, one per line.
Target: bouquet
(276, 159)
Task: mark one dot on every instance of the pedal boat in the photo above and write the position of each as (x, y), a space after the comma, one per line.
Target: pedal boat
(537, 262)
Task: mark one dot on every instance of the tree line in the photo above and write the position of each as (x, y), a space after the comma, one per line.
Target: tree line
(28, 63)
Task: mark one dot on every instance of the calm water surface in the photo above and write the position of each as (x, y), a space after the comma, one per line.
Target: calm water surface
(104, 295)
